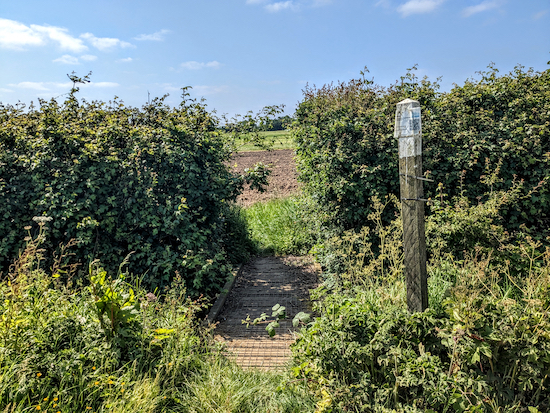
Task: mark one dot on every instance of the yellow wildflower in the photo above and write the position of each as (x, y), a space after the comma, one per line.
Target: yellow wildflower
(55, 399)
(38, 407)
(38, 374)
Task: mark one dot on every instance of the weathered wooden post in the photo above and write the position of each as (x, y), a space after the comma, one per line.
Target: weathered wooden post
(408, 129)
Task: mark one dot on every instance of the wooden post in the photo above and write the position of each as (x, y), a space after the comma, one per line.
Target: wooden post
(408, 129)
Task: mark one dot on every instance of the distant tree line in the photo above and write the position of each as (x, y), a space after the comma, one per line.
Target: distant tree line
(245, 125)
(281, 123)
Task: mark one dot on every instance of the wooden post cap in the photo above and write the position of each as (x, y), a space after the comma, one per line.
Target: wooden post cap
(407, 119)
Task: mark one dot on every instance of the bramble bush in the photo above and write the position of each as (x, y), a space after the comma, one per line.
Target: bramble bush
(73, 349)
(482, 345)
(111, 346)
(151, 183)
(346, 152)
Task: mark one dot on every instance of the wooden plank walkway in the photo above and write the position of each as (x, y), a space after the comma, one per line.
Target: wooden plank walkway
(264, 282)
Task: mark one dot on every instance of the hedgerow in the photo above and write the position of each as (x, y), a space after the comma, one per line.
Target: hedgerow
(482, 345)
(347, 154)
(150, 184)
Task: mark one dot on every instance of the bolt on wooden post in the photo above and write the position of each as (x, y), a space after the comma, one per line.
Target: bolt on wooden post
(408, 129)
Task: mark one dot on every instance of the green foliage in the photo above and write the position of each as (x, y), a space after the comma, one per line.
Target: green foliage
(238, 242)
(278, 313)
(79, 349)
(347, 154)
(150, 182)
(114, 300)
(249, 131)
(280, 226)
(56, 349)
(482, 345)
(277, 140)
(359, 256)
(257, 176)
(223, 387)
(281, 123)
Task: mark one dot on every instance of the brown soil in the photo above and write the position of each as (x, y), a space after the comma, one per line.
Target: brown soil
(282, 181)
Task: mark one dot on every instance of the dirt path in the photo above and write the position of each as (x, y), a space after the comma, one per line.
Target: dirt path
(264, 282)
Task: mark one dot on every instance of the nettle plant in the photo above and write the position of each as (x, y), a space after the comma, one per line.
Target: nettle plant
(152, 182)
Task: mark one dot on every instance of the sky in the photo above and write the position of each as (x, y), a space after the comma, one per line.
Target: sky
(242, 55)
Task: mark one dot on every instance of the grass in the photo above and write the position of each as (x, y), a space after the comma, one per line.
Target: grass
(222, 386)
(281, 140)
(278, 227)
(60, 352)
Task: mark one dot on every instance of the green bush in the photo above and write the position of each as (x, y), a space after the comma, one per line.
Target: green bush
(76, 349)
(482, 345)
(347, 154)
(119, 180)
(111, 346)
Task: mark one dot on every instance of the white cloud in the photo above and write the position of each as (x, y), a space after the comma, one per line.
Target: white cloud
(41, 86)
(540, 14)
(67, 60)
(17, 36)
(101, 84)
(208, 90)
(5, 90)
(281, 5)
(66, 41)
(105, 43)
(192, 65)
(481, 7)
(56, 86)
(276, 6)
(88, 57)
(169, 88)
(419, 6)
(29, 85)
(126, 60)
(157, 36)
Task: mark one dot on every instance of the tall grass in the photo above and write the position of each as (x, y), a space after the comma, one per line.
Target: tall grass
(278, 226)
(111, 346)
(222, 386)
(482, 345)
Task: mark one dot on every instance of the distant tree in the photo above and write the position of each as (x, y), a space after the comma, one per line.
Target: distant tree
(281, 123)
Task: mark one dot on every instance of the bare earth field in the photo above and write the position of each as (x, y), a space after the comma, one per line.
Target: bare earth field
(282, 181)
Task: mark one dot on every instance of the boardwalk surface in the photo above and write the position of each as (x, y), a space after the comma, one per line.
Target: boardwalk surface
(264, 282)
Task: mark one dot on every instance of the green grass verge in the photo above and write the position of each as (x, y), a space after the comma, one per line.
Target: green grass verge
(278, 226)
(281, 140)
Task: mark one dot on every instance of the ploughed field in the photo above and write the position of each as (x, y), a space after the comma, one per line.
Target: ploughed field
(282, 181)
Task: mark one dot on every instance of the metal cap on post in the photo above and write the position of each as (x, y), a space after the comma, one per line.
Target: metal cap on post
(408, 129)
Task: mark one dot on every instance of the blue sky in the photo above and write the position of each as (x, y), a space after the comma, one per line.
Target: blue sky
(241, 55)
